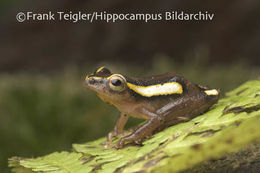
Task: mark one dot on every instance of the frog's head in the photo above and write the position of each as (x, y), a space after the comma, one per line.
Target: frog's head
(110, 87)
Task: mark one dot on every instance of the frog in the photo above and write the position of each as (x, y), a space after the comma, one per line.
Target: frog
(161, 100)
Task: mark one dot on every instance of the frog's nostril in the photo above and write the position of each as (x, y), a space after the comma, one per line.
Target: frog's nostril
(91, 81)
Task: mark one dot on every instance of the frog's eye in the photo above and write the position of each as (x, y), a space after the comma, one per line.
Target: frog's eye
(117, 83)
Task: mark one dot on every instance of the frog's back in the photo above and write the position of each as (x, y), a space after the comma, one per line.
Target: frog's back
(174, 97)
(153, 80)
(171, 85)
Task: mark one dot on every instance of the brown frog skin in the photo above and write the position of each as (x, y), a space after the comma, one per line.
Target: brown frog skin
(162, 100)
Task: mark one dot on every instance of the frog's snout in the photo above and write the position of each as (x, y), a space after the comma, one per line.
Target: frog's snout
(89, 81)
(93, 81)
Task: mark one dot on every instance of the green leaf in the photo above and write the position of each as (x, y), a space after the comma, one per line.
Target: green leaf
(229, 126)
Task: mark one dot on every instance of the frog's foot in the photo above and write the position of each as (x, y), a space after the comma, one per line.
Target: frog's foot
(114, 134)
(111, 135)
(108, 145)
(141, 133)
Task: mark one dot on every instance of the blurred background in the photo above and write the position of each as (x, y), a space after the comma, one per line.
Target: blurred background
(44, 106)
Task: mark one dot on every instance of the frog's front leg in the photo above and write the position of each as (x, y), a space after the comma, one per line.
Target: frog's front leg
(118, 128)
(154, 122)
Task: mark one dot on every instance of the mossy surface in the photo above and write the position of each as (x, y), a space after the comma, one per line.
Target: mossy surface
(229, 126)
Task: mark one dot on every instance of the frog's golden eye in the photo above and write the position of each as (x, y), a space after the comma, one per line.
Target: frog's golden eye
(117, 83)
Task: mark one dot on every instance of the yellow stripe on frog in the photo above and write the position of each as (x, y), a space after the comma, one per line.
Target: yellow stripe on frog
(211, 92)
(98, 70)
(158, 89)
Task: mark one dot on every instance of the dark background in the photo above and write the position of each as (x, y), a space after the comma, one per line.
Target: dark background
(44, 106)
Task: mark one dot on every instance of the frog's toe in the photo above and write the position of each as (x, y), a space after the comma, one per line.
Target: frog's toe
(105, 143)
(138, 142)
(111, 135)
(120, 144)
(108, 145)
